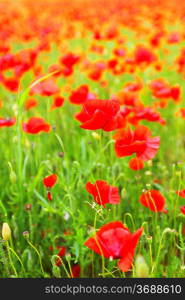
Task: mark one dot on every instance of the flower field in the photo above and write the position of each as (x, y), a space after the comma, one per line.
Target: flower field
(92, 129)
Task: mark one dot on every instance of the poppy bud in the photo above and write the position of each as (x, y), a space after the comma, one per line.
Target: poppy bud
(142, 269)
(149, 163)
(26, 234)
(50, 180)
(61, 154)
(56, 271)
(148, 173)
(28, 206)
(68, 256)
(49, 196)
(96, 136)
(6, 232)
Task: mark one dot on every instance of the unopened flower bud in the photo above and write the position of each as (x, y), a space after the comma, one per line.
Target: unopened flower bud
(142, 270)
(26, 234)
(6, 232)
(28, 206)
(96, 136)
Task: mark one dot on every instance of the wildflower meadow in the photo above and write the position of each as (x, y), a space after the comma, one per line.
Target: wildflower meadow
(92, 130)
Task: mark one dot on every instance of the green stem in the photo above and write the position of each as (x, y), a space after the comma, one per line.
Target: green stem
(4, 259)
(39, 256)
(10, 259)
(18, 258)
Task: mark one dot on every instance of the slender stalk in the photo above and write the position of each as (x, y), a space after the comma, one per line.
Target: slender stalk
(39, 256)
(10, 259)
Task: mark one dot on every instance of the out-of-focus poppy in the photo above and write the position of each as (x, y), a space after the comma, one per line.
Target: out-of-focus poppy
(136, 164)
(143, 55)
(36, 125)
(182, 209)
(30, 103)
(75, 271)
(145, 113)
(11, 83)
(69, 59)
(50, 180)
(161, 89)
(45, 88)
(57, 102)
(61, 253)
(181, 193)
(7, 122)
(173, 38)
(80, 95)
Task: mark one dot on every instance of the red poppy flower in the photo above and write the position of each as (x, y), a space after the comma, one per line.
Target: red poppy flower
(61, 253)
(57, 102)
(80, 95)
(56, 69)
(12, 84)
(101, 114)
(119, 52)
(133, 86)
(181, 193)
(50, 180)
(145, 113)
(95, 74)
(183, 209)
(69, 60)
(173, 38)
(75, 271)
(163, 93)
(136, 164)
(66, 71)
(103, 193)
(128, 97)
(45, 88)
(30, 103)
(112, 63)
(7, 61)
(154, 200)
(161, 89)
(175, 93)
(155, 40)
(139, 142)
(143, 54)
(36, 125)
(49, 196)
(7, 122)
(115, 241)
